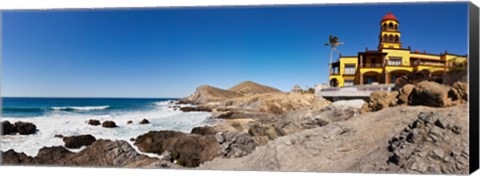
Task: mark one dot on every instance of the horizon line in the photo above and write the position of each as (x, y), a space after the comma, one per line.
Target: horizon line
(89, 97)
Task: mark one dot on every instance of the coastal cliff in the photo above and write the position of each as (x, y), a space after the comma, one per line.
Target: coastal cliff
(420, 128)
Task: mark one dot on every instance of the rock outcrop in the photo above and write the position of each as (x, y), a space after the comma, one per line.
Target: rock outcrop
(431, 144)
(188, 150)
(101, 153)
(75, 142)
(275, 103)
(10, 157)
(427, 93)
(361, 144)
(431, 94)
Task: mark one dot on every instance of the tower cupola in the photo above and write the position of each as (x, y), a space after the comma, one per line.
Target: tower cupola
(389, 34)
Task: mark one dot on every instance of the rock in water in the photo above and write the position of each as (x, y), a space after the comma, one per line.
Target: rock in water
(93, 122)
(8, 128)
(109, 124)
(206, 130)
(25, 128)
(144, 121)
(78, 141)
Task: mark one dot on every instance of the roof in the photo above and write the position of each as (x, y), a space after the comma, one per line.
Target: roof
(389, 16)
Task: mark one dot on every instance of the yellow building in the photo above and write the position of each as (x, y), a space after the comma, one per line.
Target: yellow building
(390, 61)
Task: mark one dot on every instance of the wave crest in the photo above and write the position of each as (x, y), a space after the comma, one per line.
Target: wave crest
(79, 108)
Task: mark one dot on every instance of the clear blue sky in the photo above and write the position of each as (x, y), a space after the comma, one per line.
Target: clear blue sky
(169, 52)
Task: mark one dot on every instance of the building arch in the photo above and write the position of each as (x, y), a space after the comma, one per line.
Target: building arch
(390, 25)
(397, 38)
(334, 82)
(371, 77)
(385, 38)
(426, 72)
(390, 38)
(384, 26)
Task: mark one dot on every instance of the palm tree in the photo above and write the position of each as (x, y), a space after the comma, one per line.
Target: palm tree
(333, 42)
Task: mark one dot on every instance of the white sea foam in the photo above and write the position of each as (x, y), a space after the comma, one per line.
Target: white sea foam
(69, 123)
(80, 108)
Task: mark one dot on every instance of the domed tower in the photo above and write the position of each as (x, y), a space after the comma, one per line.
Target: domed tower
(389, 34)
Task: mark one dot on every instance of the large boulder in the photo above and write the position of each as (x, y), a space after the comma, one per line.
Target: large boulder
(8, 128)
(206, 130)
(78, 141)
(188, 150)
(431, 94)
(404, 93)
(382, 99)
(109, 124)
(25, 128)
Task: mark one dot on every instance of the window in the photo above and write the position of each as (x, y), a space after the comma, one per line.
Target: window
(349, 69)
(349, 83)
(395, 61)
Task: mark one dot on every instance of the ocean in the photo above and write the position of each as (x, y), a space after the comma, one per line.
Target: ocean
(68, 116)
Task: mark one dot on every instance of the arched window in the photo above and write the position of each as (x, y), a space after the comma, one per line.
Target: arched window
(396, 27)
(390, 25)
(384, 26)
(397, 38)
(385, 38)
(390, 38)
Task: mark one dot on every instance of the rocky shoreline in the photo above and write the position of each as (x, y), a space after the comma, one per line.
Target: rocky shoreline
(262, 128)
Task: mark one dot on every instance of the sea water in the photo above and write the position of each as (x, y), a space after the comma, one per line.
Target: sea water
(68, 116)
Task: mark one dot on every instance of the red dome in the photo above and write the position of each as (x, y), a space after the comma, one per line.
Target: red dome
(389, 16)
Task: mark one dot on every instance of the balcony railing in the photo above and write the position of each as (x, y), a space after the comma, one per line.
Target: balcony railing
(372, 65)
(396, 64)
(334, 73)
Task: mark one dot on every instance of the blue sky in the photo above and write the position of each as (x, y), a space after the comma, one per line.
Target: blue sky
(168, 52)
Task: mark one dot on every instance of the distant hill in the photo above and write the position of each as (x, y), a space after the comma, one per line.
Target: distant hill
(252, 88)
(206, 93)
